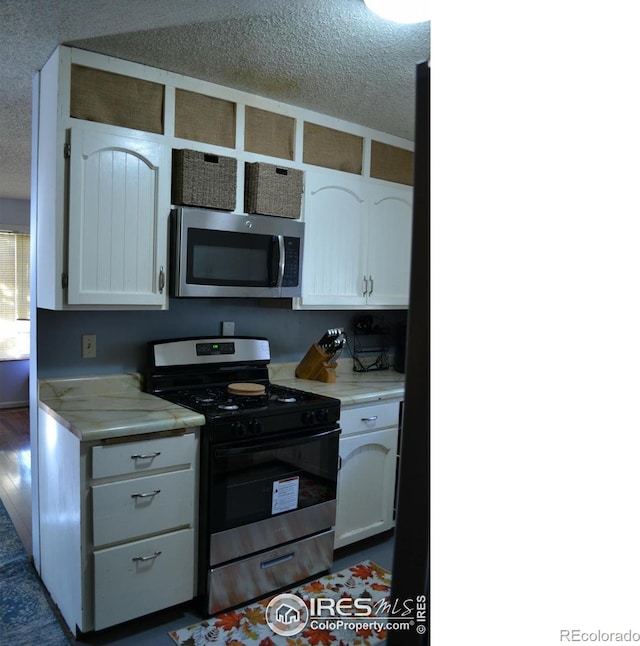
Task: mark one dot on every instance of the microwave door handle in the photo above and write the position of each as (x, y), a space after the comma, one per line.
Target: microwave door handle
(281, 258)
(283, 444)
(276, 261)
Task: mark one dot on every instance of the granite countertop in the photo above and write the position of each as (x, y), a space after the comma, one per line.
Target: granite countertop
(107, 406)
(351, 388)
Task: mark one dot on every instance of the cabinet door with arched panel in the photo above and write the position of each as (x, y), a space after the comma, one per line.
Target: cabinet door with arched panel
(389, 244)
(335, 208)
(367, 474)
(118, 211)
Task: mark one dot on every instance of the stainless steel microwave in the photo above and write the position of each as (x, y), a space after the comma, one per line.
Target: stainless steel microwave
(216, 253)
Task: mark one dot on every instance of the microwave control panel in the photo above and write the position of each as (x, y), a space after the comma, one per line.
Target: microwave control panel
(291, 276)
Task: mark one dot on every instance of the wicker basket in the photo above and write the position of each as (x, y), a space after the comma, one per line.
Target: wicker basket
(272, 190)
(202, 179)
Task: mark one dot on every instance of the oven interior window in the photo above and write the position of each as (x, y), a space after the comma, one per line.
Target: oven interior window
(256, 485)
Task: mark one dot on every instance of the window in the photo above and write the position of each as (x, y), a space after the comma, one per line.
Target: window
(14, 295)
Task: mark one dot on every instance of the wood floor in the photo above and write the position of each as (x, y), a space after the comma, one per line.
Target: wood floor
(15, 470)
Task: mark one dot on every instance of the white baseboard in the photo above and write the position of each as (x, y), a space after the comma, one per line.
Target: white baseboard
(23, 404)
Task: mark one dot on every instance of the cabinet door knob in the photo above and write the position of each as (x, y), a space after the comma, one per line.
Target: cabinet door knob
(366, 286)
(161, 280)
(371, 288)
(373, 418)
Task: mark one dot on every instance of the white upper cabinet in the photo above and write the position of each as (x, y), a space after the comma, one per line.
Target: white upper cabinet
(102, 195)
(104, 131)
(335, 211)
(357, 251)
(117, 236)
(389, 250)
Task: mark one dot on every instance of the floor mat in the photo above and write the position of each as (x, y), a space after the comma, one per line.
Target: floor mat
(25, 614)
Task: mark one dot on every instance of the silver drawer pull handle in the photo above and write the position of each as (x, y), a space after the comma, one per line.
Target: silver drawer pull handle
(145, 456)
(369, 419)
(146, 495)
(155, 555)
(280, 559)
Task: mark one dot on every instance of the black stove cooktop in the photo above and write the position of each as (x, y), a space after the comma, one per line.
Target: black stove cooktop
(196, 373)
(215, 402)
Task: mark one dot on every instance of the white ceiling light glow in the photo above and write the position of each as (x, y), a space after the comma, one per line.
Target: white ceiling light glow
(403, 11)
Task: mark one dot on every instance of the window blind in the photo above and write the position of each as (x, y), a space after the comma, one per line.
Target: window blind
(14, 295)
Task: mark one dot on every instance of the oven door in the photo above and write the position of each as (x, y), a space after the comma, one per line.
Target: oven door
(268, 492)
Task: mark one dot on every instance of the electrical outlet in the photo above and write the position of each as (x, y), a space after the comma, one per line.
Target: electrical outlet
(228, 328)
(88, 346)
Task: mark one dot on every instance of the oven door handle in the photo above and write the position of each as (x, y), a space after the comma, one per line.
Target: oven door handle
(221, 452)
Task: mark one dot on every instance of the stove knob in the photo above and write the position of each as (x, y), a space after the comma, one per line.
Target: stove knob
(255, 428)
(238, 429)
(308, 417)
(322, 415)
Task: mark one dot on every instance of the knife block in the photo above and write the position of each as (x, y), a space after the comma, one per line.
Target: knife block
(314, 366)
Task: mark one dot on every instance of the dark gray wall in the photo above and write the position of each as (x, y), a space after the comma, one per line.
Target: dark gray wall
(14, 383)
(122, 336)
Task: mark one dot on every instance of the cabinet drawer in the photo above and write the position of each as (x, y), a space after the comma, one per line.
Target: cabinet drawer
(252, 577)
(369, 418)
(141, 506)
(138, 578)
(137, 457)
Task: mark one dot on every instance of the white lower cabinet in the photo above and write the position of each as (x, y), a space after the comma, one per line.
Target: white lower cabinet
(140, 577)
(367, 475)
(142, 506)
(117, 524)
(143, 526)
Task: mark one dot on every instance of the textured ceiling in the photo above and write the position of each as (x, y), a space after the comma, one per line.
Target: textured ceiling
(331, 56)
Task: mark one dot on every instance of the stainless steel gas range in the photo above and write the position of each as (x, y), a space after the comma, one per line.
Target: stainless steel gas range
(268, 466)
